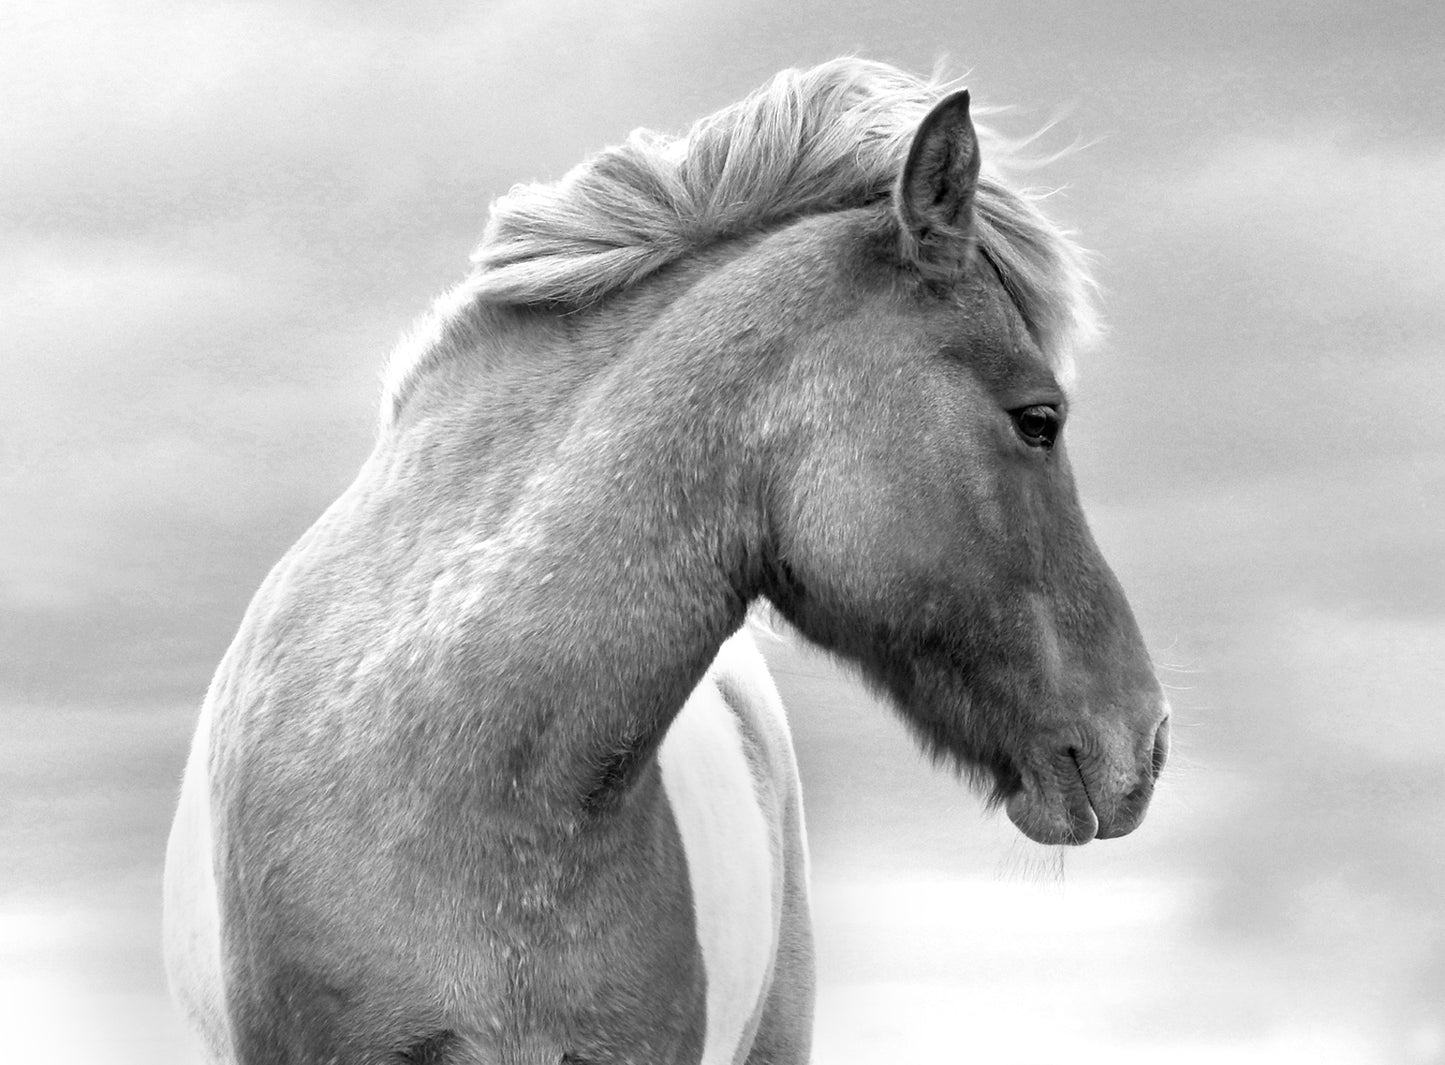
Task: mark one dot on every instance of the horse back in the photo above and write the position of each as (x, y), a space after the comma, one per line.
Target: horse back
(732, 782)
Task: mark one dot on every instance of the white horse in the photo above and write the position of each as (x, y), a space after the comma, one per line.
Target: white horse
(491, 773)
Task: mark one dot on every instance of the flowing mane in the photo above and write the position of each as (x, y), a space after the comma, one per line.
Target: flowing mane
(808, 142)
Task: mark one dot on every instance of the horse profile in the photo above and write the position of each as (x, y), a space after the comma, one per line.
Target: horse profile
(492, 772)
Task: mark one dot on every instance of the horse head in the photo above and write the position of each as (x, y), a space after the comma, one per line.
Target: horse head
(927, 526)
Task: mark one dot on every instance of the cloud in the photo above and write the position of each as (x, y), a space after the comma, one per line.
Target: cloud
(89, 796)
(152, 455)
(159, 116)
(948, 970)
(1327, 223)
(1274, 314)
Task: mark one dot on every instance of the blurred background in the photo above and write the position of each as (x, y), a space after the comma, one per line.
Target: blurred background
(216, 218)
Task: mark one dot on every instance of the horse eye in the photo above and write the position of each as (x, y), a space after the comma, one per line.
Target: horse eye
(1038, 425)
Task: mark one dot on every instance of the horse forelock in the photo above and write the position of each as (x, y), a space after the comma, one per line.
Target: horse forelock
(813, 141)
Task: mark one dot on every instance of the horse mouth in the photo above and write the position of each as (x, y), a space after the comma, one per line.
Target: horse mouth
(1061, 815)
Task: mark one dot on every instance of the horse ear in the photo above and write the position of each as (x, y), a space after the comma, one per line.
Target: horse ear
(934, 197)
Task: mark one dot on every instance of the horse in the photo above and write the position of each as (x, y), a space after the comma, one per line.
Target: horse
(493, 771)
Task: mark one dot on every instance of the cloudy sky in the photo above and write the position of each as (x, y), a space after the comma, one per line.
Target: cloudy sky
(216, 218)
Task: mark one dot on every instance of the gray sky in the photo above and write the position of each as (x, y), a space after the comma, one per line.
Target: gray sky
(216, 218)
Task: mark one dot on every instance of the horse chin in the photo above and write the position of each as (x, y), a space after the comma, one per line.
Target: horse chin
(1053, 818)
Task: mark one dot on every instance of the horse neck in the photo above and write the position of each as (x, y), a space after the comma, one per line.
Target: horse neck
(605, 527)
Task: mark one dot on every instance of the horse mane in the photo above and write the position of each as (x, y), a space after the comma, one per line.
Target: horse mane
(808, 142)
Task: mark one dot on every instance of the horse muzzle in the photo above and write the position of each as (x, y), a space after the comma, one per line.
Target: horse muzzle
(1087, 787)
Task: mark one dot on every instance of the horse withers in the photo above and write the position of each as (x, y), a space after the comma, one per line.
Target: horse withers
(492, 773)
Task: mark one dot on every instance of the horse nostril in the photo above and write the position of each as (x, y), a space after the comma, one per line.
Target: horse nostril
(1161, 749)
